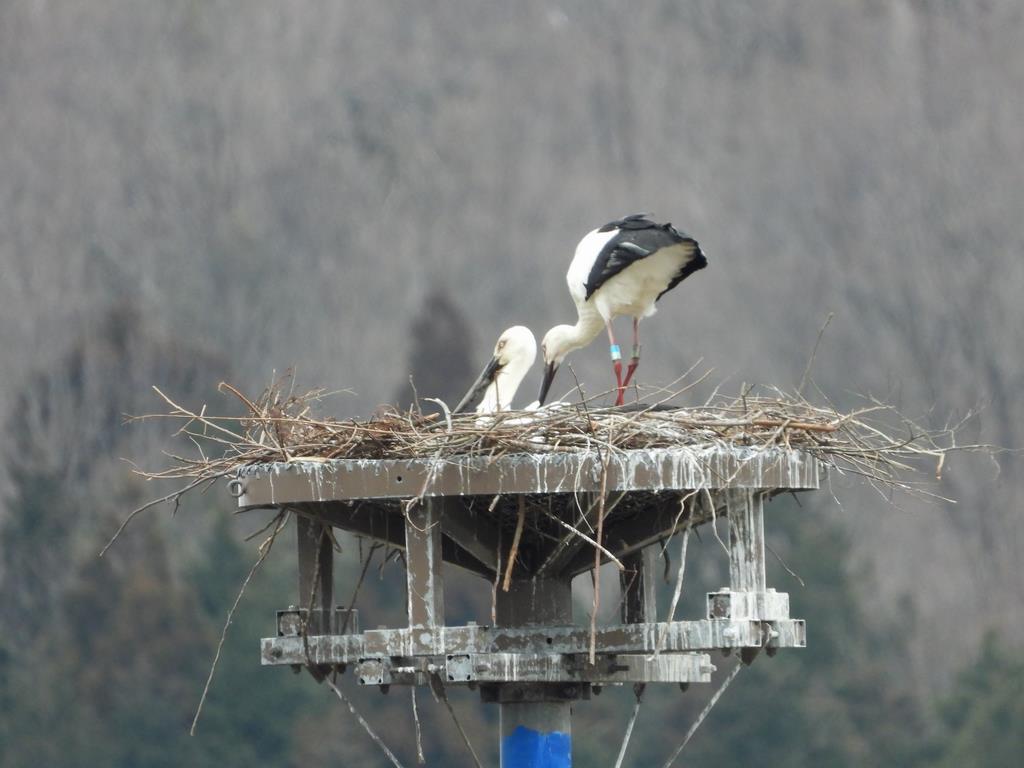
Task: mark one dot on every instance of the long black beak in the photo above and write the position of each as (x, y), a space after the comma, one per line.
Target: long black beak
(549, 376)
(476, 391)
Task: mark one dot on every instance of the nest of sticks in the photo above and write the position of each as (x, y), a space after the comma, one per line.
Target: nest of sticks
(282, 425)
(874, 442)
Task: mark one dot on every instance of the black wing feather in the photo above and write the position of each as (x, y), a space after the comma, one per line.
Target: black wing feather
(637, 238)
(633, 221)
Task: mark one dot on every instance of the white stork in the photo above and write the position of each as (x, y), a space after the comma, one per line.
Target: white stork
(623, 268)
(513, 356)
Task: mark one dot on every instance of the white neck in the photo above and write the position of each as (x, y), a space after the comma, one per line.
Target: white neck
(588, 325)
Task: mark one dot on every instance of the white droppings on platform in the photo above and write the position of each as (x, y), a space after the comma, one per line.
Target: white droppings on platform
(677, 468)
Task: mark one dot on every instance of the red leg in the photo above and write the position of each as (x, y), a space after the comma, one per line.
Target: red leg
(635, 360)
(616, 364)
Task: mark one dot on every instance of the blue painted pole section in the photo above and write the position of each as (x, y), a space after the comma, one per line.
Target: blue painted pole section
(527, 748)
(536, 735)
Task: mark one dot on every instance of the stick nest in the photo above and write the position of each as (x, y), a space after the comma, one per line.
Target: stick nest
(874, 441)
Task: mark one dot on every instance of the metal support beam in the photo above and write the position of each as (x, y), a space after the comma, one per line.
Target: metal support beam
(745, 509)
(637, 582)
(625, 537)
(534, 602)
(570, 545)
(509, 677)
(380, 523)
(472, 532)
(559, 668)
(316, 573)
(424, 583)
(671, 637)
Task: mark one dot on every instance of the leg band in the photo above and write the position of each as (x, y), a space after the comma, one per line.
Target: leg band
(616, 352)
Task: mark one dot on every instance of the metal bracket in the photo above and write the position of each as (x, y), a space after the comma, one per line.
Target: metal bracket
(758, 606)
(374, 671)
(290, 622)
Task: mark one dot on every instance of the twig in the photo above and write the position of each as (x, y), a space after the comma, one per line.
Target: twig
(638, 689)
(416, 721)
(497, 580)
(704, 713)
(175, 497)
(440, 693)
(514, 549)
(676, 593)
(355, 592)
(577, 532)
(362, 721)
(814, 351)
(583, 517)
(264, 550)
(304, 622)
(597, 563)
(782, 562)
(714, 521)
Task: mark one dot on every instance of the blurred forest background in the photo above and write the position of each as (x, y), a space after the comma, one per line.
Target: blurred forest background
(195, 190)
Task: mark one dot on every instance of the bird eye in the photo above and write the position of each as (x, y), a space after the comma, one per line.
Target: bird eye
(501, 343)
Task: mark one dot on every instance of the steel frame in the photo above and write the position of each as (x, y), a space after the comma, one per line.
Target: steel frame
(535, 662)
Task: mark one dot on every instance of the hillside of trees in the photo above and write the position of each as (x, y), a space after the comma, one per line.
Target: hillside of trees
(199, 191)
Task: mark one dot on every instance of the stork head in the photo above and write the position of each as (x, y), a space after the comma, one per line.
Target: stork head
(516, 347)
(557, 343)
(514, 353)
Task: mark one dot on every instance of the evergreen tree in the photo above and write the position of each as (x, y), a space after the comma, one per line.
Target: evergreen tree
(251, 712)
(983, 718)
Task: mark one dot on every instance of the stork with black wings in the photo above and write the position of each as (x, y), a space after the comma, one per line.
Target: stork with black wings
(622, 268)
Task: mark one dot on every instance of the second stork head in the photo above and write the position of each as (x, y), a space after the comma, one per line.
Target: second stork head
(496, 385)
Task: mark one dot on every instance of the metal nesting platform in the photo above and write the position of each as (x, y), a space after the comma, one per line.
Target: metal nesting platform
(474, 512)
